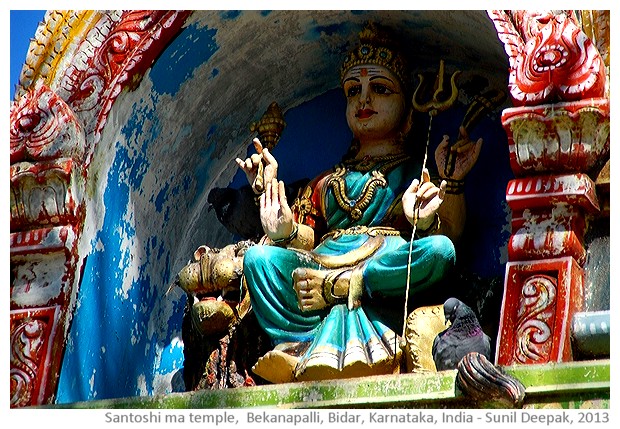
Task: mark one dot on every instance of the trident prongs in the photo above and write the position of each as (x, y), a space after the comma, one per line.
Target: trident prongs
(439, 102)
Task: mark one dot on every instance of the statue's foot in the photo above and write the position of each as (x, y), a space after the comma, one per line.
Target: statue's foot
(326, 367)
(317, 289)
(276, 366)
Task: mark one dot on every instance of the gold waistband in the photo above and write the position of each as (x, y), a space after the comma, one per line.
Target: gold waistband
(372, 231)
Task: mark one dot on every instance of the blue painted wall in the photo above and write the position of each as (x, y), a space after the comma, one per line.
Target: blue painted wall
(123, 341)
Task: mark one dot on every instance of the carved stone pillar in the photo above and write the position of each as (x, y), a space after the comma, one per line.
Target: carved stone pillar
(557, 135)
(47, 185)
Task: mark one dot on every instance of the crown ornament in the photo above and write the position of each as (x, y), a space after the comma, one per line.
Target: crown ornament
(378, 48)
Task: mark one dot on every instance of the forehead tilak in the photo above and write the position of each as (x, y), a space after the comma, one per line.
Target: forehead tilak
(366, 70)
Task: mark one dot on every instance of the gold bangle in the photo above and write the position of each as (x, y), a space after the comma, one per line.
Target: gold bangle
(432, 229)
(288, 239)
(454, 186)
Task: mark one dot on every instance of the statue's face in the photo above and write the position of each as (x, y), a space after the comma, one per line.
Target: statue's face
(375, 102)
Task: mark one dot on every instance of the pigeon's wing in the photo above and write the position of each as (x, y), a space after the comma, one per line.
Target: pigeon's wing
(468, 344)
(445, 350)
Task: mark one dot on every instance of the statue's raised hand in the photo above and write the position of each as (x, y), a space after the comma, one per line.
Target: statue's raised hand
(275, 214)
(465, 151)
(260, 168)
(425, 198)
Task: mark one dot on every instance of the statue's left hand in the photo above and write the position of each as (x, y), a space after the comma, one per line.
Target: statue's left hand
(427, 195)
(275, 213)
(466, 153)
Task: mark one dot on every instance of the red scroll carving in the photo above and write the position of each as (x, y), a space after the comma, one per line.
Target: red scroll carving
(119, 61)
(33, 334)
(540, 298)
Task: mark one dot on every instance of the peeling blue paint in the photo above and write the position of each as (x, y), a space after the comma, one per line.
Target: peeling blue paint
(192, 48)
(319, 30)
(161, 197)
(102, 308)
(117, 296)
(137, 135)
(230, 15)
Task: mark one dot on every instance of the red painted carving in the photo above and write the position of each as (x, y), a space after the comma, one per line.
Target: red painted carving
(45, 193)
(127, 51)
(557, 135)
(535, 317)
(44, 127)
(548, 216)
(540, 298)
(33, 333)
(558, 138)
(551, 58)
(43, 265)
(545, 191)
(49, 239)
(43, 290)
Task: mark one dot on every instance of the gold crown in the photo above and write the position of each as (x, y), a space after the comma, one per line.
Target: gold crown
(376, 47)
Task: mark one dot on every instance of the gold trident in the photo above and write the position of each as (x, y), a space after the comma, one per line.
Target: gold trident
(435, 104)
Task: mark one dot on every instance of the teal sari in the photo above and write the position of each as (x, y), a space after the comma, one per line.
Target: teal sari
(344, 341)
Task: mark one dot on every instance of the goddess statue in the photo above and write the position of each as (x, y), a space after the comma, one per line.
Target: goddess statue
(315, 278)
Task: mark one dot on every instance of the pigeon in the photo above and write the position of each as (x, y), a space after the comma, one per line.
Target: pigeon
(462, 337)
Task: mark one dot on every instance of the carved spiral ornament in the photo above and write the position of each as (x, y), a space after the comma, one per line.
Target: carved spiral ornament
(487, 385)
(26, 343)
(534, 319)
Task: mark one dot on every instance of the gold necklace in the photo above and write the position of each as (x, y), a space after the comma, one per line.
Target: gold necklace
(368, 162)
(355, 207)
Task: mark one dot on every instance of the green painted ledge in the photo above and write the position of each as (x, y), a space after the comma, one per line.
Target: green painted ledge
(566, 385)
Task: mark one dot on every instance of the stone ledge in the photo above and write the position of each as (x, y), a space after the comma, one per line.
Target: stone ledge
(567, 385)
